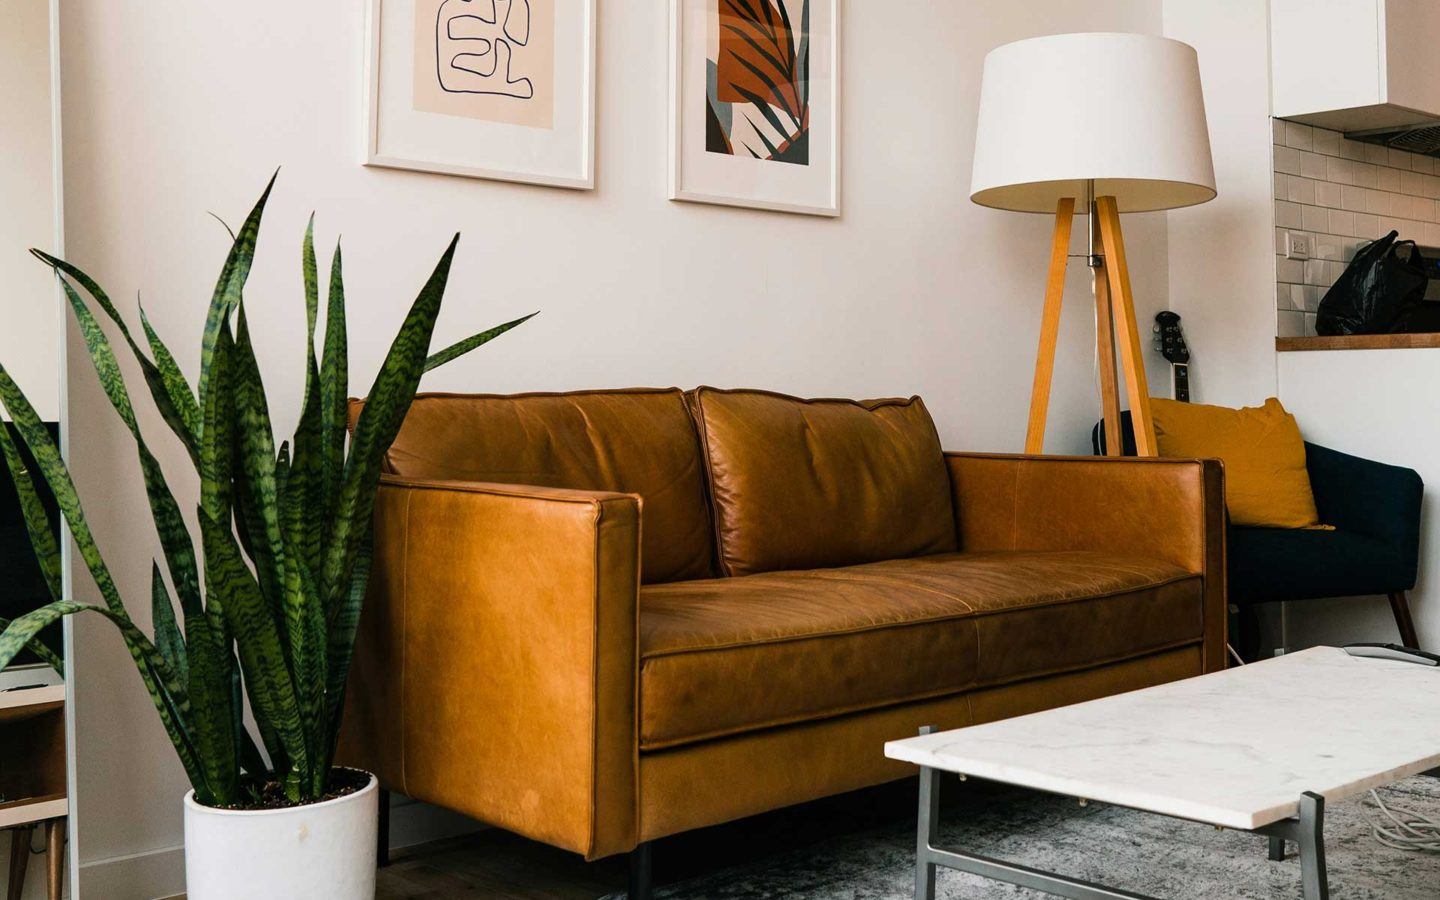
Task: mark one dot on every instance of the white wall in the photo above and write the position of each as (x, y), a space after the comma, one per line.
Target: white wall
(30, 333)
(1222, 266)
(174, 110)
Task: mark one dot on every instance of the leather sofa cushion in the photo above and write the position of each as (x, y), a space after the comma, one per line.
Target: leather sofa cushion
(801, 484)
(638, 441)
(727, 656)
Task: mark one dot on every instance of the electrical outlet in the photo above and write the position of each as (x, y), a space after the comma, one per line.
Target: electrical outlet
(1297, 246)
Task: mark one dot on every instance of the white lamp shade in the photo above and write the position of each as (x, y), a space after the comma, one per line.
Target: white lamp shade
(1122, 109)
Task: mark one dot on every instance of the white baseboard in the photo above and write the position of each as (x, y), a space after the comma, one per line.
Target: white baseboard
(157, 874)
(148, 875)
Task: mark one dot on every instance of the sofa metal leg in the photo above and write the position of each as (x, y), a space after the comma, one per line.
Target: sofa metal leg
(1400, 606)
(382, 834)
(642, 885)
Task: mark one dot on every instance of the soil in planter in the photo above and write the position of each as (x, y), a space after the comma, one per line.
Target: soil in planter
(270, 794)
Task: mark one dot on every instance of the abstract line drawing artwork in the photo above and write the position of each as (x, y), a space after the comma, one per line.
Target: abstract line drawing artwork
(492, 60)
(475, 47)
(757, 101)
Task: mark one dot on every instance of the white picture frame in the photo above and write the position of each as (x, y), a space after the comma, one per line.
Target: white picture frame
(696, 178)
(397, 137)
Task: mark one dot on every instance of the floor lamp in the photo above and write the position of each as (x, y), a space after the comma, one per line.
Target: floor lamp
(1113, 121)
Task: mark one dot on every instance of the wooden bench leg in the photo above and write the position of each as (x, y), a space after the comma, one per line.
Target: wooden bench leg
(1400, 606)
(19, 860)
(54, 858)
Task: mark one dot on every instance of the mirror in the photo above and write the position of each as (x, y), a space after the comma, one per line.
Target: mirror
(33, 695)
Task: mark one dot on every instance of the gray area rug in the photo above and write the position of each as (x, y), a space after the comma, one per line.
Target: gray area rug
(1118, 847)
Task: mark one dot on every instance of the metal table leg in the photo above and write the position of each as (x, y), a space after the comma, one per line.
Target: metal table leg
(1308, 831)
(1312, 847)
(1277, 849)
(927, 833)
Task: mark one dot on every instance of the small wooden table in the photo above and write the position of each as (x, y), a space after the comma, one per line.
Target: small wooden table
(1259, 748)
(32, 781)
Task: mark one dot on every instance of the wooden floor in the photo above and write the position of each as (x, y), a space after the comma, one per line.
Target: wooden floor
(496, 864)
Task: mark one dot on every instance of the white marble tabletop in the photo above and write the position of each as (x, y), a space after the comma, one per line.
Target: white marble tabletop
(1234, 748)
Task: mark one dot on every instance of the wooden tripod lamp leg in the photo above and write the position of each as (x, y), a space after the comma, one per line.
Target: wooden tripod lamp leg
(1131, 358)
(1049, 326)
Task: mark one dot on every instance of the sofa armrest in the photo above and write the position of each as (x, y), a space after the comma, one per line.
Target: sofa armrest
(1170, 509)
(495, 671)
(1371, 498)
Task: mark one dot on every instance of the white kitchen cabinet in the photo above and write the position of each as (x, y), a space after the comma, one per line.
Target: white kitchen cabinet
(1355, 65)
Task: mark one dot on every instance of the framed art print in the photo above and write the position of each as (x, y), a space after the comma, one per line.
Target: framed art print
(484, 88)
(755, 104)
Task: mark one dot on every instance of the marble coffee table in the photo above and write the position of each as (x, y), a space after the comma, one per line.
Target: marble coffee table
(1259, 748)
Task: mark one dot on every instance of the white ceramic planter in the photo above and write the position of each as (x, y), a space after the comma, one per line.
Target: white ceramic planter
(321, 850)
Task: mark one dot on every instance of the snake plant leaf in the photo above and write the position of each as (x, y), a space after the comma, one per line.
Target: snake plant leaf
(159, 680)
(218, 414)
(52, 468)
(388, 401)
(255, 488)
(167, 630)
(177, 387)
(169, 524)
(216, 704)
(334, 390)
(305, 616)
(342, 628)
(168, 387)
(460, 348)
(268, 678)
(42, 652)
(37, 519)
(228, 290)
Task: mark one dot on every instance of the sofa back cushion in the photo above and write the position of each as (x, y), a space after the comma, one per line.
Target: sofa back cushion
(638, 441)
(803, 484)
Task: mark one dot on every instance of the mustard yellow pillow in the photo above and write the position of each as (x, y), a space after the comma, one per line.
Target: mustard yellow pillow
(1266, 482)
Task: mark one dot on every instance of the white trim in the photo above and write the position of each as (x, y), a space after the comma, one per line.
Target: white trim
(67, 589)
(677, 15)
(373, 157)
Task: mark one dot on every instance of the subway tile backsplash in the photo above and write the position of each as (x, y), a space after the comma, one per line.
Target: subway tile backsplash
(1341, 194)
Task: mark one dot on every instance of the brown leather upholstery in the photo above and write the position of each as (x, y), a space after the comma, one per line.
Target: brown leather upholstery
(638, 441)
(799, 484)
(719, 781)
(1169, 509)
(495, 670)
(499, 666)
(736, 654)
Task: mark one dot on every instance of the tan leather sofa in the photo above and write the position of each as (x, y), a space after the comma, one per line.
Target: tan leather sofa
(605, 617)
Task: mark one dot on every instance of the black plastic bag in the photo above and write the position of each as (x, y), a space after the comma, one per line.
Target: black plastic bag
(1380, 289)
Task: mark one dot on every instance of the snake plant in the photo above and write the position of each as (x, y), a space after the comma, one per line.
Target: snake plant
(269, 603)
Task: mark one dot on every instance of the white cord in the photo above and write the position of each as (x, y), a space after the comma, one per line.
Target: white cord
(1402, 829)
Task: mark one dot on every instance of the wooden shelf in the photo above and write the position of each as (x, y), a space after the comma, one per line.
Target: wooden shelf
(33, 809)
(1359, 342)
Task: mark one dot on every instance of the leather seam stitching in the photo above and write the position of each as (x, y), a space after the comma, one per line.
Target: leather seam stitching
(595, 597)
(496, 490)
(934, 620)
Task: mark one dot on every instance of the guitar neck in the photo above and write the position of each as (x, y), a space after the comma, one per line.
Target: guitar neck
(1180, 381)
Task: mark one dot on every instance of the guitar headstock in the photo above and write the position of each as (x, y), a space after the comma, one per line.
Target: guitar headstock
(1169, 339)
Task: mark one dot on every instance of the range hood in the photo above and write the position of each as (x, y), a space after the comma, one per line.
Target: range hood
(1422, 137)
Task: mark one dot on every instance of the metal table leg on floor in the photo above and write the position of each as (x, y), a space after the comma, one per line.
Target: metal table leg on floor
(1307, 831)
